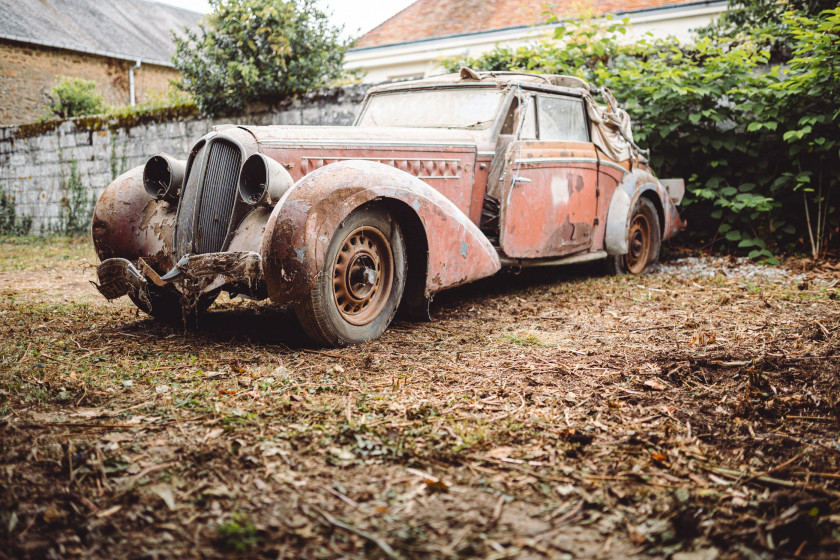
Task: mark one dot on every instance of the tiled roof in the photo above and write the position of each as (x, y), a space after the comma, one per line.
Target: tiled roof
(427, 19)
(129, 29)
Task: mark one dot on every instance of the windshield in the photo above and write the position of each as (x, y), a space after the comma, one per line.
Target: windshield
(440, 108)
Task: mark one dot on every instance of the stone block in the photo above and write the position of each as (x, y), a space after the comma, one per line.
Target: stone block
(44, 156)
(98, 181)
(50, 170)
(66, 141)
(49, 142)
(289, 118)
(84, 154)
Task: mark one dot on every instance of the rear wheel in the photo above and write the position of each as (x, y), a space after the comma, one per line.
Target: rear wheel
(359, 287)
(643, 242)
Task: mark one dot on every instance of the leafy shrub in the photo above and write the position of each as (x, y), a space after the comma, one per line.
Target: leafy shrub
(10, 222)
(76, 204)
(757, 142)
(74, 97)
(257, 50)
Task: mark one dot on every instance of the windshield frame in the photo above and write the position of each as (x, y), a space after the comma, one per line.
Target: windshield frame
(491, 124)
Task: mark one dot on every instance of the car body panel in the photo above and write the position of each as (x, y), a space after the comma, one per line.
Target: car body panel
(128, 224)
(301, 226)
(549, 200)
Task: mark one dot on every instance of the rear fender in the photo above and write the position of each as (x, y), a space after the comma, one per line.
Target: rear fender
(302, 224)
(128, 224)
(635, 185)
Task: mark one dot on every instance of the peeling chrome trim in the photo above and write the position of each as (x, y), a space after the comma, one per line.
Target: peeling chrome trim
(614, 166)
(536, 161)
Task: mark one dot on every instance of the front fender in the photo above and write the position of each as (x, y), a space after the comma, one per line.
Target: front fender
(302, 224)
(128, 224)
(636, 184)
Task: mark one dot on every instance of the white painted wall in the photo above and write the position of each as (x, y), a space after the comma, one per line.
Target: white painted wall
(421, 58)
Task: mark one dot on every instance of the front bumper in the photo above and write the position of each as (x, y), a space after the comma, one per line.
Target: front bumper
(193, 276)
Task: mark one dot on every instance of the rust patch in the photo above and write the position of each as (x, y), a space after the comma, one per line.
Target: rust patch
(128, 224)
(300, 230)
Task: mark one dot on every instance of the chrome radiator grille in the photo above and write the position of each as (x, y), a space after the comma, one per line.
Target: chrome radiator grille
(212, 197)
(186, 211)
(218, 197)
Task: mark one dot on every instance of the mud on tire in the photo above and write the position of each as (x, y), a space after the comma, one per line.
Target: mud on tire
(359, 288)
(644, 239)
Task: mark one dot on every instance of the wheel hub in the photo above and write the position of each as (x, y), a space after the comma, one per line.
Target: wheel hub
(362, 275)
(639, 244)
(362, 278)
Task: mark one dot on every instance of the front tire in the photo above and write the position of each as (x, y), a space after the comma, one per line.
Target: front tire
(644, 240)
(359, 288)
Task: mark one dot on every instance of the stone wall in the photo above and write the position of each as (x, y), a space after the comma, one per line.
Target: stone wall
(49, 173)
(28, 72)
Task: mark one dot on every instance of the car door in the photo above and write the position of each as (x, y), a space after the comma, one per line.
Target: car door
(549, 182)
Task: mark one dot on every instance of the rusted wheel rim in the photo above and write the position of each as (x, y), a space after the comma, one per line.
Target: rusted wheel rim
(362, 275)
(638, 250)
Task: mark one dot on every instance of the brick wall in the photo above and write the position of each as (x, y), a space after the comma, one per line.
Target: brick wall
(37, 170)
(27, 72)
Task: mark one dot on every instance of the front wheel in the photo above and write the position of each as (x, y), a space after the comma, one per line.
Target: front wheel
(643, 242)
(359, 287)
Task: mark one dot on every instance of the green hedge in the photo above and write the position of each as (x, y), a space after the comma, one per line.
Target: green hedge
(756, 141)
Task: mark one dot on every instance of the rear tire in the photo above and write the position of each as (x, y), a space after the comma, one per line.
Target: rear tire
(644, 239)
(360, 285)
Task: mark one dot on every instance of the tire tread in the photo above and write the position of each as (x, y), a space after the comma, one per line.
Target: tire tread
(312, 311)
(615, 264)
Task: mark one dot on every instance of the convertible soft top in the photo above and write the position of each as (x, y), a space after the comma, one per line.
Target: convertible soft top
(610, 125)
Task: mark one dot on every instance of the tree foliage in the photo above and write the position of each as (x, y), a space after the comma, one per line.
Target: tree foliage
(757, 142)
(758, 15)
(74, 97)
(257, 51)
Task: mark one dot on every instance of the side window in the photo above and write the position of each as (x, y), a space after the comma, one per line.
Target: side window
(515, 113)
(562, 118)
(528, 129)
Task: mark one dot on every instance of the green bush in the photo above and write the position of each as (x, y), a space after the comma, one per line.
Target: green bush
(74, 97)
(257, 50)
(757, 142)
(76, 204)
(10, 222)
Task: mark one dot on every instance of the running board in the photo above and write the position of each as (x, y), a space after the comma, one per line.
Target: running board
(574, 259)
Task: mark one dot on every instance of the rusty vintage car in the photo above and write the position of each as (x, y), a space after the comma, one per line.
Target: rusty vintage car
(440, 182)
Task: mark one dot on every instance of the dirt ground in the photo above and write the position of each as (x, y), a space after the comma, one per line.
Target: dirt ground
(557, 413)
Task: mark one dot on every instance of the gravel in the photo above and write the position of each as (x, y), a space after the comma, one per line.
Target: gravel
(688, 268)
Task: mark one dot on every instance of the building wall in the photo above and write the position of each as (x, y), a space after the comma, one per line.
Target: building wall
(28, 72)
(38, 169)
(422, 58)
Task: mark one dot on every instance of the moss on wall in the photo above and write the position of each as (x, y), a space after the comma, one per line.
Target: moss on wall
(124, 118)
